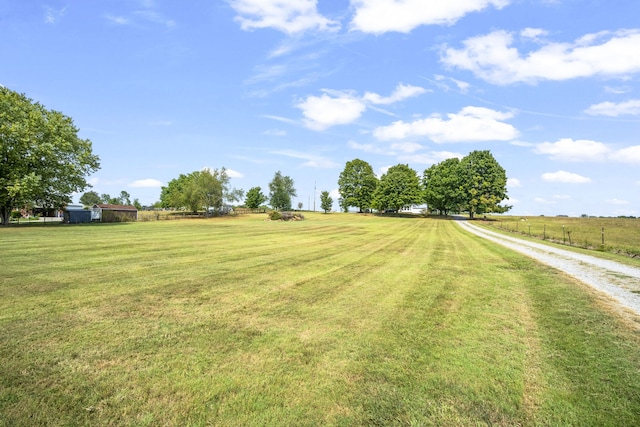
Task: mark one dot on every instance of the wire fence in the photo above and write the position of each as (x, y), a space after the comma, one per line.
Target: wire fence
(621, 235)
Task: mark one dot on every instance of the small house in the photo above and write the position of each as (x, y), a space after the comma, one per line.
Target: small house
(114, 213)
(413, 209)
(76, 214)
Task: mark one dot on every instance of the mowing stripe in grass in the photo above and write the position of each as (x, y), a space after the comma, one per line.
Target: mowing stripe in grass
(337, 320)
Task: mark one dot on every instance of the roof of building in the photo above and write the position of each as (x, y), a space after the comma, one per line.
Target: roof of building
(108, 207)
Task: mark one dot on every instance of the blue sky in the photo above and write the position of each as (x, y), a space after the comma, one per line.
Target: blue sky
(550, 87)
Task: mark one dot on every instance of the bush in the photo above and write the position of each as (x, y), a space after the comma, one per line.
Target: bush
(286, 216)
(275, 216)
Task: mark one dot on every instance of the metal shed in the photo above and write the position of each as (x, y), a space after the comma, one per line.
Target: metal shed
(76, 216)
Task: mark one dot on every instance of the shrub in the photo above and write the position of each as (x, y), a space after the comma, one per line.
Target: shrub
(286, 216)
(275, 216)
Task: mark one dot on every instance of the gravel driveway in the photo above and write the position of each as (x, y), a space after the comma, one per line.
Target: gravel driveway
(621, 282)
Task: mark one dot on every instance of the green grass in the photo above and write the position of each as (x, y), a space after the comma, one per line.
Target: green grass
(621, 235)
(336, 320)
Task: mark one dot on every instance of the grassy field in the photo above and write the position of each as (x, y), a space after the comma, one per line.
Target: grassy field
(620, 235)
(337, 320)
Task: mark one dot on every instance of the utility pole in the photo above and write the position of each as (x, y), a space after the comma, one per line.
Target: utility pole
(314, 196)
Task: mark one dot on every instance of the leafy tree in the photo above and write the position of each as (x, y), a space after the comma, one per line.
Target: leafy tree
(442, 183)
(42, 160)
(357, 184)
(255, 198)
(90, 198)
(137, 204)
(300, 206)
(483, 183)
(125, 198)
(107, 199)
(281, 190)
(399, 187)
(326, 202)
(208, 188)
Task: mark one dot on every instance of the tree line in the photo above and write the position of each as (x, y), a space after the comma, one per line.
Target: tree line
(43, 162)
(475, 184)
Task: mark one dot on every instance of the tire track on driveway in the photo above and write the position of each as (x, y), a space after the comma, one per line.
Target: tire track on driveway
(619, 281)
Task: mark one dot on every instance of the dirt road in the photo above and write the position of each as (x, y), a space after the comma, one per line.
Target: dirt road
(619, 281)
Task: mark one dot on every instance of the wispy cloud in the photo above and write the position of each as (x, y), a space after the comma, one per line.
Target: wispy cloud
(275, 132)
(570, 150)
(565, 177)
(147, 14)
(289, 17)
(312, 160)
(53, 15)
(612, 109)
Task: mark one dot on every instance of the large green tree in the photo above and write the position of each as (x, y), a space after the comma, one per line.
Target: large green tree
(42, 159)
(443, 186)
(399, 187)
(281, 190)
(255, 198)
(483, 183)
(357, 184)
(204, 189)
(90, 198)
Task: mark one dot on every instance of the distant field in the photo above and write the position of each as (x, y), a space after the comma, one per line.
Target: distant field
(341, 319)
(621, 235)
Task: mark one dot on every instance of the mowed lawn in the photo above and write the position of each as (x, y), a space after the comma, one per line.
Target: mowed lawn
(341, 319)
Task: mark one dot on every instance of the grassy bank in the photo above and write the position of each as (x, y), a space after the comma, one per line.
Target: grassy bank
(337, 320)
(617, 235)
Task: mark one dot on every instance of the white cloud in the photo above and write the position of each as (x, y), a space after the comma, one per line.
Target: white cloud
(533, 33)
(565, 177)
(233, 174)
(292, 16)
(118, 20)
(312, 161)
(400, 93)
(322, 112)
(146, 183)
(370, 148)
(380, 16)
(335, 107)
(280, 119)
(462, 86)
(627, 155)
(493, 57)
(513, 183)
(429, 158)
(470, 124)
(617, 90)
(567, 149)
(406, 147)
(631, 107)
(617, 202)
